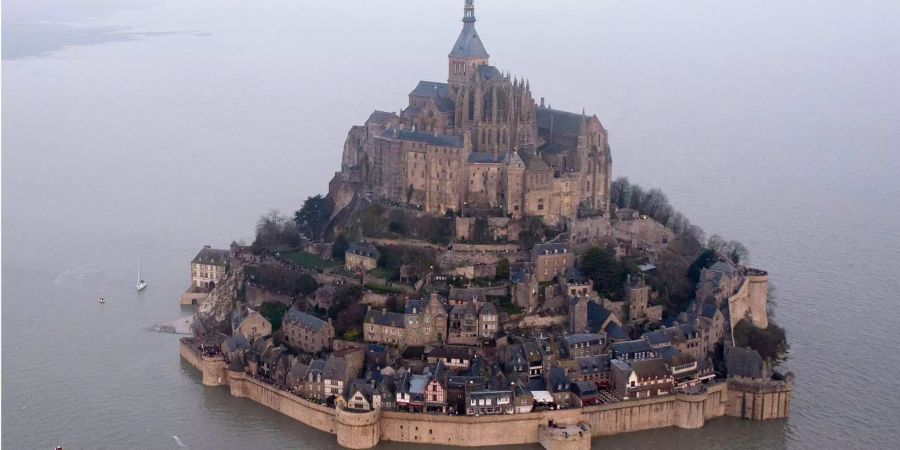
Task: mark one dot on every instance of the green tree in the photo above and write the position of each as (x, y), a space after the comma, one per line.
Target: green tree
(481, 233)
(275, 231)
(394, 304)
(608, 274)
(503, 269)
(274, 313)
(534, 231)
(313, 216)
(704, 260)
(339, 247)
(771, 342)
(283, 280)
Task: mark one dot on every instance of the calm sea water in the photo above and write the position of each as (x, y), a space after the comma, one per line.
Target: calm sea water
(147, 129)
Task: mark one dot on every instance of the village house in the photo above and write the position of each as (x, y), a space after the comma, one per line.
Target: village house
(687, 339)
(559, 385)
(629, 351)
(574, 283)
(361, 257)
(384, 327)
(463, 324)
(639, 307)
(209, 267)
(592, 368)
(488, 321)
(411, 391)
(489, 402)
(586, 392)
(376, 357)
(523, 399)
(234, 348)
(586, 315)
(582, 344)
(534, 357)
(334, 377)
(718, 282)
(362, 395)
(436, 390)
(354, 356)
(314, 386)
(708, 320)
(458, 386)
(746, 364)
(657, 339)
(452, 356)
(296, 377)
(640, 379)
(306, 333)
(550, 260)
(249, 324)
(524, 286)
(425, 321)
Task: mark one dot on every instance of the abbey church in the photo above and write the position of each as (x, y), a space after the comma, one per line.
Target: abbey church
(479, 142)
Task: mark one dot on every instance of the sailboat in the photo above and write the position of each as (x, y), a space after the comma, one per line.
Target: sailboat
(141, 284)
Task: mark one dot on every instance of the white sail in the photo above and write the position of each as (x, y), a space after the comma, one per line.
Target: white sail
(141, 284)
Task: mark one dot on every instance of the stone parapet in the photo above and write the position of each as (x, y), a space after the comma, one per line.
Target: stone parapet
(571, 437)
(212, 368)
(360, 430)
(760, 400)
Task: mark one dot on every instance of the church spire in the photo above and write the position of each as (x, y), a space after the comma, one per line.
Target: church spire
(469, 12)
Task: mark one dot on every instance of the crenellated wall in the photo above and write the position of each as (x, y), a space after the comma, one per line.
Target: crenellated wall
(758, 400)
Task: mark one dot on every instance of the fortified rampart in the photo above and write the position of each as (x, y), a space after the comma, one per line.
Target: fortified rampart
(750, 299)
(746, 399)
(213, 368)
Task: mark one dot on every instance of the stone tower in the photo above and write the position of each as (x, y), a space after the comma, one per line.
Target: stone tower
(515, 185)
(578, 315)
(467, 53)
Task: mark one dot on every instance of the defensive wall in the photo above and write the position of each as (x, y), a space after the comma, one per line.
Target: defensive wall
(567, 429)
(750, 299)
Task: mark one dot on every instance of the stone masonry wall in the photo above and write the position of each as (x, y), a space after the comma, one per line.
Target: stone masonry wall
(750, 300)
(365, 430)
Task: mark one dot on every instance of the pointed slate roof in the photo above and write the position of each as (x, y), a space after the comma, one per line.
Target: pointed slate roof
(468, 44)
(431, 89)
(304, 320)
(380, 117)
(562, 122)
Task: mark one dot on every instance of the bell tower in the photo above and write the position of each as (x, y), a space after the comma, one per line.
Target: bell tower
(468, 52)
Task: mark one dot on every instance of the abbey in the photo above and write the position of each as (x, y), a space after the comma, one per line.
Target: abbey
(479, 142)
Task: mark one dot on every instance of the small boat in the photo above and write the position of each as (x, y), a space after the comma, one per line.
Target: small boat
(141, 284)
(101, 300)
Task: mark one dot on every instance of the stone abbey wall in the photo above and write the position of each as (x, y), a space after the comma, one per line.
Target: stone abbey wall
(751, 299)
(751, 400)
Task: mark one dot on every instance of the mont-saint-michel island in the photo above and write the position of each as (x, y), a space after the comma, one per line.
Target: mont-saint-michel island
(476, 275)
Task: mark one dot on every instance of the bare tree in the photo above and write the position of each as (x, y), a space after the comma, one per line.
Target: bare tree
(717, 244)
(736, 252)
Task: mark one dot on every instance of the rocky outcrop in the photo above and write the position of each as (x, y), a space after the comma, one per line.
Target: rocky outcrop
(215, 310)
